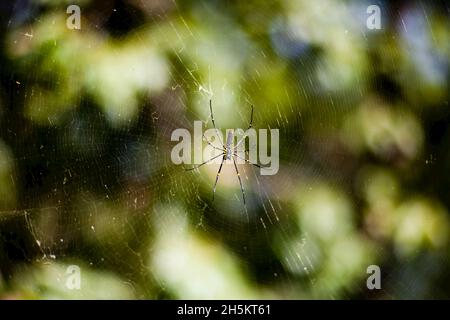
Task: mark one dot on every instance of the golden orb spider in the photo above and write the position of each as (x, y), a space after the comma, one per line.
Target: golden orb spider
(227, 152)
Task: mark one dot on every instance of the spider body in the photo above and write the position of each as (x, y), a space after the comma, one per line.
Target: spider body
(228, 149)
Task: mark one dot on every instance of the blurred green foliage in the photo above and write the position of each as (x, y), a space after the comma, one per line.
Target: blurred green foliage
(86, 177)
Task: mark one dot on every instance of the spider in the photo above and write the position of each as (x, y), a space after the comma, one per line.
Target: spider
(228, 152)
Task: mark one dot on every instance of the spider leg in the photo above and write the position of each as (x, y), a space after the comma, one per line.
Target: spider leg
(251, 120)
(217, 177)
(248, 161)
(240, 181)
(211, 143)
(214, 123)
(249, 127)
(196, 167)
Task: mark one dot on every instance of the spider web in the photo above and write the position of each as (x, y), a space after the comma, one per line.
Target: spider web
(95, 183)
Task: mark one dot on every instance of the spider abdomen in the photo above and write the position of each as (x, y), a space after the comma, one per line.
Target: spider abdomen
(228, 149)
